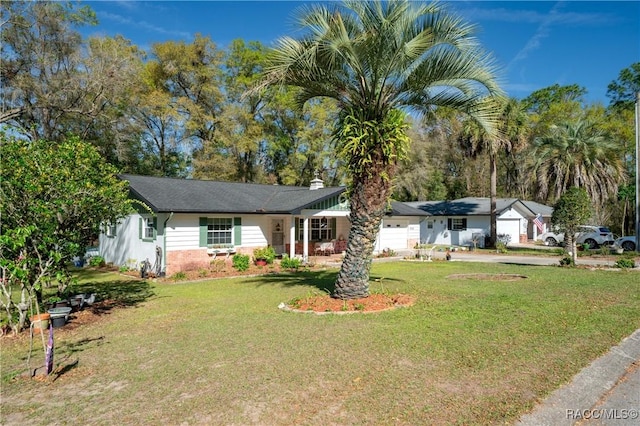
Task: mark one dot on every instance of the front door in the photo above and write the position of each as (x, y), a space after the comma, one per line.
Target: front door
(277, 235)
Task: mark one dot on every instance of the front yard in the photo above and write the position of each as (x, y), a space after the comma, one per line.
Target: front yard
(469, 351)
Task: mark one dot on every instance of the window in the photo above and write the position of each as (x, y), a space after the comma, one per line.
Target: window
(429, 224)
(457, 224)
(110, 230)
(148, 230)
(321, 229)
(219, 230)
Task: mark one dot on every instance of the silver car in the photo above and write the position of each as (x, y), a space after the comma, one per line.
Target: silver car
(595, 236)
(627, 243)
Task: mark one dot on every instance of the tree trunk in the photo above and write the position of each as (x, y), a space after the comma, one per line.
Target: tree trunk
(493, 195)
(368, 201)
(571, 243)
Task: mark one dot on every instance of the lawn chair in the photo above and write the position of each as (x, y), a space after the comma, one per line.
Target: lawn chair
(326, 249)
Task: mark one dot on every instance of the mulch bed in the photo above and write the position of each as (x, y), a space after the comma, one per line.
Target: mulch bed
(325, 304)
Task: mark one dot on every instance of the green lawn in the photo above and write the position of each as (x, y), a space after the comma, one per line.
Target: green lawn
(221, 352)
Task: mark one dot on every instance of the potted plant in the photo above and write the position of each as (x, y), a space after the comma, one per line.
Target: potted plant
(264, 255)
(40, 321)
(57, 302)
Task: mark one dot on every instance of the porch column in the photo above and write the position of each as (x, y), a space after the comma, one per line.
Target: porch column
(305, 239)
(292, 238)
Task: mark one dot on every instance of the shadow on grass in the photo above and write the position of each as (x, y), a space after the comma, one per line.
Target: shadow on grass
(114, 293)
(322, 280)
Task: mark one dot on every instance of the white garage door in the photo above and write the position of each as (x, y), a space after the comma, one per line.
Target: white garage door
(393, 234)
(511, 227)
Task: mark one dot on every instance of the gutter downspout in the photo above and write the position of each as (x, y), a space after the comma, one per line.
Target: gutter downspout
(164, 243)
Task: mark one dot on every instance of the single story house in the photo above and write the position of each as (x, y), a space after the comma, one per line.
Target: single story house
(464, 221)
(184, 224)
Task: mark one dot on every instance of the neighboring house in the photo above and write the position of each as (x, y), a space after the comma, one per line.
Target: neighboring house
(544, 211)
(184, 224)
(463, 221)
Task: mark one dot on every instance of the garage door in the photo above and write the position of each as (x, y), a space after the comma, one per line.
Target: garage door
(510, 227)
(393, 234)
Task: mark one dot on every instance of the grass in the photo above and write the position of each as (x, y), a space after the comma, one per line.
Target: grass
(220, 352)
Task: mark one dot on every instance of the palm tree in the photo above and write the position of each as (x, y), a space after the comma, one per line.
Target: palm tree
(576, 154)
(475, 140)
(377, 59)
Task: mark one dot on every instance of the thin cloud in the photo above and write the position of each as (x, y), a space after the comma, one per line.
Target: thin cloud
(534, 17)
(542, 32)
(145, 25)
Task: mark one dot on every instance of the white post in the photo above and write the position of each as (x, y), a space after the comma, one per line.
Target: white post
(305, 248)
(638, 171)
(292, 238)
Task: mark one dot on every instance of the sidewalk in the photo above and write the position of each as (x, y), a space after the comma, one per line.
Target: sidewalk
(607, 392)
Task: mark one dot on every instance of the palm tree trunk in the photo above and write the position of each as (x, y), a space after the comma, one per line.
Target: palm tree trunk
(369, 199)
(493, 195)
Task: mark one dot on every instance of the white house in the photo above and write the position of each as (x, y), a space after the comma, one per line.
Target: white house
(183, 224)
(467, 220)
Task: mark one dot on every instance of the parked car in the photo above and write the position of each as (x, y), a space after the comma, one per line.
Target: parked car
(627, 243)
(595, 236)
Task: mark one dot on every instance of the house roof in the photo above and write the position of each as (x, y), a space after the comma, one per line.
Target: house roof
(470, 206)
(403, 209)
(543, 209)
(204, 196)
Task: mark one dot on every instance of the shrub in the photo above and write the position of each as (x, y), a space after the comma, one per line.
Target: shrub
(265, 253)
(96, 261)
(241, 262)
(566, 261)
(501, 247)
(290, 263)
(217, 265)
(179, 276)
(625, 263)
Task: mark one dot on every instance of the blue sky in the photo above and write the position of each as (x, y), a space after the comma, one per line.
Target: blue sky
(536, 43)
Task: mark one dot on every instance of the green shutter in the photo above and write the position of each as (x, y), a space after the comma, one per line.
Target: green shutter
(203, 232)
(449, 223)
(140, 227)
(155, 228)
(333, 228)
(297, 225)
(464, 224)
(237, 231)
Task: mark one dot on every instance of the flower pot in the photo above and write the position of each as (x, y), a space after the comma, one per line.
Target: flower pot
(59, 316)
(261, 262)
(77, 301)
(40, 322)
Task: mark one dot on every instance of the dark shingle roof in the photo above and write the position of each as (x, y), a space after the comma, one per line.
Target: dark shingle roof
(469, 206)
(543, 209)
(402, 209)
(203, 196)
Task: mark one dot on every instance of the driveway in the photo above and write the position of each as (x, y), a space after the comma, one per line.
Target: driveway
(541, 259)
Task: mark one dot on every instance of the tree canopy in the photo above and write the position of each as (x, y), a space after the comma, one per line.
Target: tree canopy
(571, 210)
(55, 196)
(377, 60)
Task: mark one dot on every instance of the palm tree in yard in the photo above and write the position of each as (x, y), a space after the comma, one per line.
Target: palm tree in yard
(510, 135)
(577, 154)
(379, 60)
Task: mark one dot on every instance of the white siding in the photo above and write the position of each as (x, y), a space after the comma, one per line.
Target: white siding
(127, 247)
(254, 230)
(183, 232)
